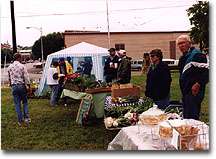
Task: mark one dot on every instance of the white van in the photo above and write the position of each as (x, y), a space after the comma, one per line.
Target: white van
(136, 65)
(172, 63)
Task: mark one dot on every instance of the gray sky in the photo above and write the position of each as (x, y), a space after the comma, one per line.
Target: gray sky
(61, 15)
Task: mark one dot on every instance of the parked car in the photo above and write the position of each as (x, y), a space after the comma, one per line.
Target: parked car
(172, 63)
(136, 65)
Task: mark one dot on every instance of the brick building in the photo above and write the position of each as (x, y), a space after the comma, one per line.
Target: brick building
(135, 43)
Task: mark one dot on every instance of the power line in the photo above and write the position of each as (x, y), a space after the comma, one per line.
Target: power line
(96, 12)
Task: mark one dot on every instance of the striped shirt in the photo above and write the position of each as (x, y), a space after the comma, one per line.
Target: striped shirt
(18, 73)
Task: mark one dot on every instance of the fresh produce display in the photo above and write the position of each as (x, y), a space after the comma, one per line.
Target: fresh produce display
(120, 115)
(138, 106)
(116, 112)
(33, 87)
(76, 82)
(174, 112)
(124, 113)
(34, 84)
(126, 99)
(130, 118)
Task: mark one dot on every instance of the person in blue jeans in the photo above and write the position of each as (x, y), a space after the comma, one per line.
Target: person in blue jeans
(52, 81)
(18, 79)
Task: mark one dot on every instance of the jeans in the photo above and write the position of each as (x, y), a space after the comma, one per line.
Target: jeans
(54, 94)
(19, 93)
(60, 90)
(162, 104)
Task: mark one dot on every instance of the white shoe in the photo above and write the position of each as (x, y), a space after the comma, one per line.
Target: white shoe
(27, 120)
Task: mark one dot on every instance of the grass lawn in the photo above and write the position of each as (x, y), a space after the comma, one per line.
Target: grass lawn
(55, 128)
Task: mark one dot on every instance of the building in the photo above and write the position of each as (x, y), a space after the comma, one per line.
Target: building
(26, 54)
(135, 43)
(6, 46)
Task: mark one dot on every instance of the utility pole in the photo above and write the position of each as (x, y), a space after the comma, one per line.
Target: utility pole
(41, 35)
(13, 27)
(108, 30)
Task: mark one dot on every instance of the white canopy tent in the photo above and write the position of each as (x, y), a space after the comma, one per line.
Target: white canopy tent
(82, 49)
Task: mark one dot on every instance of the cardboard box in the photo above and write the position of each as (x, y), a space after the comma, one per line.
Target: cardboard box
(122, 92)
(98, 90)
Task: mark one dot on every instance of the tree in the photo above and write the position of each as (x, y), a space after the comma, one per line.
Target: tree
(51, 43)
(8, 53)
(199, 19)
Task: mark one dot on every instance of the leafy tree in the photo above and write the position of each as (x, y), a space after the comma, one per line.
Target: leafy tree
(199, 19)
(51, 43)
(8, 53)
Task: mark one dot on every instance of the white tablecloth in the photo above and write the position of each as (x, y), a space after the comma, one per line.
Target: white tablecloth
(142, 137)
(135, 138)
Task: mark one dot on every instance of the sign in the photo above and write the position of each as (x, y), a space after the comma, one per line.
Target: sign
(84, 110)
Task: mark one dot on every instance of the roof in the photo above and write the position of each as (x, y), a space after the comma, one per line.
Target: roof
(83, 49)
(71, 32)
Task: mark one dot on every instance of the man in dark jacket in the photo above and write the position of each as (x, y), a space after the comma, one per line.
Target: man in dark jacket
(194, 75)
(111, 66)
(158, 80)
(124, 69)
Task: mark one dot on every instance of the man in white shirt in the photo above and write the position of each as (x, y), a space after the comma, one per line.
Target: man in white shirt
(18, 79)
(52, 81)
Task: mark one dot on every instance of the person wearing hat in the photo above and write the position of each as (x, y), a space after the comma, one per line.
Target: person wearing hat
(111, 66)
(124, 69)
(158, 80)
(18, 79)
(62, 72)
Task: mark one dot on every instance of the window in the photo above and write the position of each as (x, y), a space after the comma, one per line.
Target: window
(120, 46)
(140, 62)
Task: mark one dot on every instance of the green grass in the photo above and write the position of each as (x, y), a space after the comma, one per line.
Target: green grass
(50, 129)
(55, 128)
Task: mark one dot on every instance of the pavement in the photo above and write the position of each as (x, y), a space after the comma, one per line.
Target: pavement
(34, 73)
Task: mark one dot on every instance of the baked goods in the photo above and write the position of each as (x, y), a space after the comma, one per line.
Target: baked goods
(187, 134)
(177, 123)
(165, 130)
(152, 116)
(199, 146)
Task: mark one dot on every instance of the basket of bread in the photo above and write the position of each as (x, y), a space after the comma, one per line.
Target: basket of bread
(191, 135)
(152, 116)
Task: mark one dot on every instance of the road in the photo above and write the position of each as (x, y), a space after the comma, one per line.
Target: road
(34, 73)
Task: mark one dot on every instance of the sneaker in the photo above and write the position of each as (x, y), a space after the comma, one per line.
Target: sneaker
(19, 124)
(27, 120)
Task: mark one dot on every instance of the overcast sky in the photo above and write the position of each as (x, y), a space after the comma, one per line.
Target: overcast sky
(61, 15)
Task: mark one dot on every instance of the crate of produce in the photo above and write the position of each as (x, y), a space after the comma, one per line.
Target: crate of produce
(122, 92)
